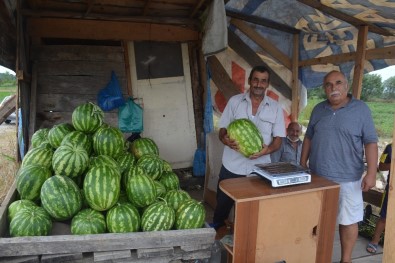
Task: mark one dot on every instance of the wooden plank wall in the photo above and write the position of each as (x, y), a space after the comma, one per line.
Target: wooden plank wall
(69, 75)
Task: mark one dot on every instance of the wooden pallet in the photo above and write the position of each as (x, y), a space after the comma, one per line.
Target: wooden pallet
(159, 246)
(7, 108)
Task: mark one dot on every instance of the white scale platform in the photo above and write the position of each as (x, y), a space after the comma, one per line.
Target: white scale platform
(282, 173)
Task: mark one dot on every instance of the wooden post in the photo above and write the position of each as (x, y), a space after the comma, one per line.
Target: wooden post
(127, 69)
(33, 101)
(359, 61)
(295, 79)
(389, 239)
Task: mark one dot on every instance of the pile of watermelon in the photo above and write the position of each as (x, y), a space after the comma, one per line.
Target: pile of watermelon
(86, 174)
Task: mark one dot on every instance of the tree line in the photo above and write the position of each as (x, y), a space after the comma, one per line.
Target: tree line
(7, 79)
(373, 88)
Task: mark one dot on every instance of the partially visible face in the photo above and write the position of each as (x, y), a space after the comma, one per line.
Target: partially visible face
(293, 131)
(258, 83)
(336, 88)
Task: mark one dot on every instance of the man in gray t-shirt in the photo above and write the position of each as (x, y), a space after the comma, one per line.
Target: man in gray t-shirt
(340, 131)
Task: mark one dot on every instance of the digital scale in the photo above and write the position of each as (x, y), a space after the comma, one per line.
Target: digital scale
(282, 173)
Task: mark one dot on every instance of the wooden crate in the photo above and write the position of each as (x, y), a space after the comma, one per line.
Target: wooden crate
(159, 246)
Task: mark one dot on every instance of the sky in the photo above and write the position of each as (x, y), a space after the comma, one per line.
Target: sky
(3, 70)
(384, 73)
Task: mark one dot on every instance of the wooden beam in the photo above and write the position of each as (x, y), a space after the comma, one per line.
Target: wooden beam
(333, 59)
(127, 68)
(377, 53)
(33, 103)
(249, 55)
(262, 21)
(345, 17)
(107, 30)
(196, 9)
(295, 79)
(262, 42)
(146, 7)
(90, 3)
(189, 22)
(221, 78)
(23, 76)
(380, 53)
(389, 237)
(359, 62)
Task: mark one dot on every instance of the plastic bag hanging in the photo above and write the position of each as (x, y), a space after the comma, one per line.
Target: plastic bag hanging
(110, 97)
(130, 117)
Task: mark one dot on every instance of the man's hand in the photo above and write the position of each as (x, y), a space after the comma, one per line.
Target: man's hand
(265, 150)
(368, 182)
(230, 143)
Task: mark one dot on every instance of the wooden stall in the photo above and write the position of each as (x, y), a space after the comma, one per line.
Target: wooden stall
(288, 224)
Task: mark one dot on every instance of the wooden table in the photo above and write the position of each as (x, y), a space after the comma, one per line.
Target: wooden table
(292, 224)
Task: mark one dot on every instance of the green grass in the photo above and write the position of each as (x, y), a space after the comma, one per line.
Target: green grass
(383, 117)
(6, 90)
(382, 113)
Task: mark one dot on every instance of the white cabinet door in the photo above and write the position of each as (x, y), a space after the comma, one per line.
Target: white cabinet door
(168, 112)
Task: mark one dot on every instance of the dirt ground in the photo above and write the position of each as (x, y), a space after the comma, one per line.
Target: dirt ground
(8, 163)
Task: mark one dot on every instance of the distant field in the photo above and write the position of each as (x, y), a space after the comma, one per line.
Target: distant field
(383, 116)
(382, 112)
(6, 90)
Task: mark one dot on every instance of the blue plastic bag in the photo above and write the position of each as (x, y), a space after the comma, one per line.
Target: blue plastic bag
(130, 117)
(199, 163)
(110, 97)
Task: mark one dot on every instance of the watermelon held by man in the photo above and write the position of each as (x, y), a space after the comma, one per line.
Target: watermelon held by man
(247, 135)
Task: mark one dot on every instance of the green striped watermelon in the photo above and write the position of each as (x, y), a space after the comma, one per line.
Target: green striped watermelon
(70, 160)
(247, 135)
(190, 214)
(101, 160)
(61, 197)
(108, 141)
(175, 198)
(88, 221)
(160, 189)
(141, 190)
(170, 180)
(58, 132)
(31, 221)
(79, 138)
(41, 155)
(142, 146)
(158, 216)
(152, 165)
(126, 160)
(39, 137)
(15, 206)
(29, 180)
(87, 117)
(167, 166)
(102, 187)
(123, 218)
(130, 173)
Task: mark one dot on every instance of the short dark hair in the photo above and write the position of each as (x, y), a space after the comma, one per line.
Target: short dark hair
(259, 69)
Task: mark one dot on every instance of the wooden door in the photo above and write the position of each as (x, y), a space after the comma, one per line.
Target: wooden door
(167, 103)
